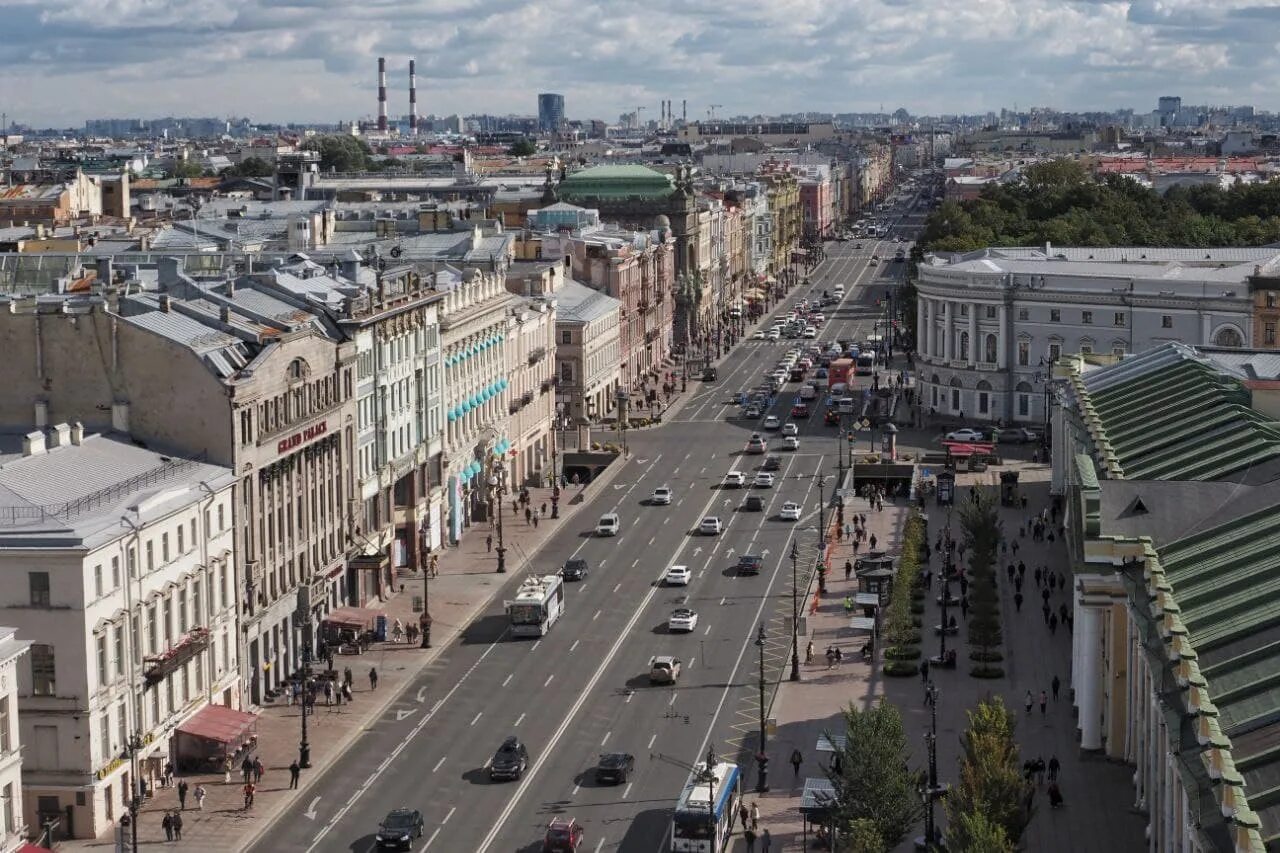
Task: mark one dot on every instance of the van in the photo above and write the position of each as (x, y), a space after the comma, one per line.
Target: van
(608, 525)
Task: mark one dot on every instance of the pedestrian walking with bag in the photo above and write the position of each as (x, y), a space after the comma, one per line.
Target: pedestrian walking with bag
(200, 794)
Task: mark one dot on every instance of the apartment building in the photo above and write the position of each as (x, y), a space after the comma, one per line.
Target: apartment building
(12, 811)
(531, 370)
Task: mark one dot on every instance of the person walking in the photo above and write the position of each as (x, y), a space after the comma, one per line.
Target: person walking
(1030, 701)
(1055, 686)
(744, 815)
(246, 767)
(1044, 701)
(1054, 767)
(258, 770)
(766, 840)
(295, 770)
(1017, 601)
(808, 653)
(848, 569)
(227, 767)
(796, 760)
(488, 543)
(1053, 623)
(167, 823)
(755, 815)
(924, 671)
(200, 794)
(749, 836)
(248, 795)
(177, 826)
(182, 795)
(373, 678)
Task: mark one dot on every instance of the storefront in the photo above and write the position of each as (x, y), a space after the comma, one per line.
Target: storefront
(211, 737)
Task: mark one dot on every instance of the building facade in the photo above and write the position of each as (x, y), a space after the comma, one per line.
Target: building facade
(588, 353)
(550, 112)
(124, 583)
(13, 652)
(991, 322)
(531, 370)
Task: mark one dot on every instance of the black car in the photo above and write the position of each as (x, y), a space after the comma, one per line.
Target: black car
(753, 503)
(749, 564)
(771, 463)
(399, 828)
(510, 761)
(574, 570)
(615, 767)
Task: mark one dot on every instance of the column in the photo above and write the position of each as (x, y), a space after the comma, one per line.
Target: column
(922, 335)
(948, 310)
(1089, 690)
(973, 337)
(1002, 339)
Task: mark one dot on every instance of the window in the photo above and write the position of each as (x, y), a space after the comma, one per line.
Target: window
(1055, 316)
(104, 734)
(5, 738)
(97, 581)
(1086, 317)
(182, 611)
(1086, 349)
(133, 563)
(1024, 353)
(222, 518)
(1055, 352)
(164, 548)
(39, 582)
(104, 665)
(982, 402)
(991, 312)
(222, 588)
(168, 620)
(1269, 333)
(566, 336)
(182, 541)
(1271, 299)
(115, 572)
(1024, 314)
(964, 309)
(990, 349)
(1118, 319)
(117, 650)
(566, 372)
(1166, 321)
(964, 346)
(1024, 405)
(43, 670)
(197, 603)
(151, 556)
(1118, 351)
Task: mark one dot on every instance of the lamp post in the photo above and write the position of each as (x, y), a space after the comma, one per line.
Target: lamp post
(623, 405)
(946, 587)
(932, 789)
(711, 798)
(557, 473)
(496, 492)
(425, 621)
(304, 746)
(822, 536)
(762, 758)
(134, 746)
(795, 616)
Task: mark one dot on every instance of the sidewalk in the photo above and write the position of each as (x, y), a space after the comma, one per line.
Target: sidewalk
(1098, 793)
(466, 584)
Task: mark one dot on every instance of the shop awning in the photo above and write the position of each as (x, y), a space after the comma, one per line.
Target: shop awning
(218, 723)
(356, 617)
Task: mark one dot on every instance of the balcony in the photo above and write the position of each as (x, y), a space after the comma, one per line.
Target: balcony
(157, 667)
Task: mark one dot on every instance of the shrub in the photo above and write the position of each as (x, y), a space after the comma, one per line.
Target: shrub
(902, 653)
(900, 669)
(984, 671)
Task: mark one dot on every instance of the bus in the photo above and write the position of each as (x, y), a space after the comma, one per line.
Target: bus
(866, 363)
(839, 371)
(708, 805)
(539, 602)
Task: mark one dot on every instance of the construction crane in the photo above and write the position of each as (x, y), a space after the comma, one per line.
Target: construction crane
(711, 111)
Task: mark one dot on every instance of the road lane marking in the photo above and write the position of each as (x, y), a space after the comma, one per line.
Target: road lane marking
(548, 681)
(637, 560)
(723, 600)
(618, 587)
(519, 719)
(651, 538)
(673, 698)
(706, 632)
(438, 763)
(575, 645)
(534, 648)
(507, 680)
(310, 813)
(452, 809)
(599, 844)
(576, 789)
(605, 738)
(627, 792)
(431, 839)
(652, 738)
(477, 717)
(596, 616)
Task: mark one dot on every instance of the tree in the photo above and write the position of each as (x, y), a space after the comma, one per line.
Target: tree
(523, 148)
(874, 783)
(977, 834)
(991, 784)
(250, 167)
(185, 169)
(340, 152)
(863, 838)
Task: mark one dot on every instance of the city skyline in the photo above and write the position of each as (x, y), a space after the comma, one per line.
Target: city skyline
(314, 60)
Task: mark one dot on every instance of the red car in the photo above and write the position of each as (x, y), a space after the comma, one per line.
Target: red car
(564, 835)
(800, 410)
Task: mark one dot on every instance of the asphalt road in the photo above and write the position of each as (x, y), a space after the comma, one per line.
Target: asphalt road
(583, 688)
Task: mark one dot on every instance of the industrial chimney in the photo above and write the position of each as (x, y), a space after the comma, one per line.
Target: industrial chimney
(413, 99)
(684, 111)
(382, 94)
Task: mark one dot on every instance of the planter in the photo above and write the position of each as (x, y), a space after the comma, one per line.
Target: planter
(900, 669)
(983, 671)
(902, 653)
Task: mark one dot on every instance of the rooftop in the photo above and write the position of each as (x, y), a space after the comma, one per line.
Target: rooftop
(577, 303)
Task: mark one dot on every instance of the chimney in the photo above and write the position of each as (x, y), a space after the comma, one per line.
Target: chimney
(77, 433)
(684, 110)
(413, 99)
(33, 444)
(120, 417)
(61, 435)
(382, 94)
(224, 314)
(42, 413)
(164, 303)
(169, 272)
(105, 272)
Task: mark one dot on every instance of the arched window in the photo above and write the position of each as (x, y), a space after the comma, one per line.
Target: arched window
(1228, 336)
(297, 370)
(990, 350)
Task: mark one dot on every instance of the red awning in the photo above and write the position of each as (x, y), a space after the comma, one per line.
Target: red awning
(355, 617)
(967, 448)
(218, 723)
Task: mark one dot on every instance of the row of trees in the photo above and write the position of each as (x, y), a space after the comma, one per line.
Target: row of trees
(980, 522)
(902, 626)
(988, 811)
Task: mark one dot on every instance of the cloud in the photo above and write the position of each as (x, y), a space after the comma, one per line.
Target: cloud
(62, 61)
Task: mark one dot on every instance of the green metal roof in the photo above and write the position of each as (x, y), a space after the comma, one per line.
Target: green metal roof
(616, 182)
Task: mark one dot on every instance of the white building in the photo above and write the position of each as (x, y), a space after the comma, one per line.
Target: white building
(990, 322)
(122, 576)
(588, 352)
(531, 371)
(15, 829)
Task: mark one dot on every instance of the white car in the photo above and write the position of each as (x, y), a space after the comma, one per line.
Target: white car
(810, 332)
(758, 335)
(790, 429)
(764, 480)
(966, 434)
(808, 392)
(772, 422)
(756, 444)
(772, 335)
(682, 619)
(710, 526)
(819, 319)
(608, 525)
(661, 496)
(790, 511)
(791, 443)
(735, 480)
(677, 576)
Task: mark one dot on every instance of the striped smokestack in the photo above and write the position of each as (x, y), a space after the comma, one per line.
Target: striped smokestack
(413, 100)
(382, 94)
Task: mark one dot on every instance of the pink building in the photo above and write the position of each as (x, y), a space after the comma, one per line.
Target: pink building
(815, 201)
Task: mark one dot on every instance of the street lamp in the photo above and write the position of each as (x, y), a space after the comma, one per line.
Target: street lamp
(822, 535)
(304, 747)
(496, 491)
(762, 758)
(711, 798)
(557, 474)
(425, 621)
(795, 616)
(133, 746)
(932, 790)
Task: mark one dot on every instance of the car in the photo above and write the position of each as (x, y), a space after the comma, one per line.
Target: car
(807, 392)
(749, 564)
(664, 669)
(771, 463)
(772, 335)
(772, 422)
(608, 525)
(818, 319)
(805, 362)
(661, 496)
(510, 761)
(791, 442)
(810, 332)
(821, 372)
(966, 434)
(752, 411)
(677, 576)
(1018, 435)
(758, 335)
(790, 429)
(399, 828)
(735, 480)
(790, 511)
(682, 619)
(615, 768)
(764, 480)
(564, 835)
(753, 503)
(710, 526)
(575, 569)
(756, 444)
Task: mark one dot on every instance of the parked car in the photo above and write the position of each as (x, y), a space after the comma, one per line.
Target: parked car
(966, 434)
(1018, 435)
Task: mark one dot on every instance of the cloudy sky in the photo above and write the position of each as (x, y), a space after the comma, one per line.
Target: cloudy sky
(62, 61)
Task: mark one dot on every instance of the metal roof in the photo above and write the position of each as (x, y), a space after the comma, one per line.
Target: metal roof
(577, 303)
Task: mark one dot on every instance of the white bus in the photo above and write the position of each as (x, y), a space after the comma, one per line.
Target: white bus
(708, 805)
(865, 365)
(538, 604)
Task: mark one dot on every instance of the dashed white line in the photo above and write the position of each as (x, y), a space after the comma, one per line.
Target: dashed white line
(452, 809)
(438, 763)
(627, 792)
(691, 660)
(431, 839)
(575, 645)
(596, 616)
(618, 587)
(651, 538)
(723, 600)
(652, 738)
(605, 739)
(519, 719)
(707, 631)
(507, 679)
(576, 788)
(477, 717)
(673, 698)
(534, 648)
(637, 560)
(548, 681)
(599, 845)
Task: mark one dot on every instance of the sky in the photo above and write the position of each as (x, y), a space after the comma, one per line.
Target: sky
(63, 61)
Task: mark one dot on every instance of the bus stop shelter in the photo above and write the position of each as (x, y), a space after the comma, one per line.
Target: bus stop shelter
(816, 802)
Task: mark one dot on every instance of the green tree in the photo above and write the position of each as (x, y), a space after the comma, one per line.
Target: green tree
(250, 167)
(523, 148)
(185, 169)
(991, 784)
(340, 152)
(874, 782)
(863, 838)
(977, 834)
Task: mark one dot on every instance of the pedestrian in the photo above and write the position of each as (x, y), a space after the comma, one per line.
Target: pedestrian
(246, 767)
(1017, 583)
(544, 509)
(227, 767)
(1062, 581)
(964, 606)
(744, 815)
(295, 770)
(1040, 766)
(1054, 686)
(328, 693)
(1053, 580)
(1037, 576)
(535, 522)
(347, 677)
(1054, 767)
(872, 541)
(167, 823)
(766, 840)
(248, 795)
(808, 653)
(755, 815)
(848, 569)
(1045, 610)
(488, 543)
(373, 678)
(1044, 594)
(435, 565)
(182, 794)
(839, 656)
(258, 770)
(200, 794)
(1017, 601)
(749, 836)
(528, 515)
(168, 774)
(397, 634)
(1030, 701)
(1053, 623)
(796, 760)
(177, 826)
(924, 671)
(346, 692)
(1044, 700)
(1055, 796)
